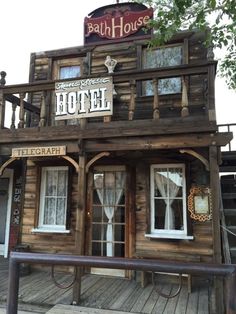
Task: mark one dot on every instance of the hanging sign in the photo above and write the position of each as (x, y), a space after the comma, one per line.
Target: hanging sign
(84, 98)
(117, 22)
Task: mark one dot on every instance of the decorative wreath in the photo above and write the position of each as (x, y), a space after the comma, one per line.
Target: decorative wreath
(200, 203)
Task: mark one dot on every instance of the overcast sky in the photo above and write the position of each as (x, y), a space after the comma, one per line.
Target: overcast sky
(38, 25)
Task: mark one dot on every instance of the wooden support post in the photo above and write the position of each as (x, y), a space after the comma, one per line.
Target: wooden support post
(43, 110)
(132, 100)
(80, 217)
(22, 112)
(215, 192)
(184, 103)
(156, 111)
(211, 93)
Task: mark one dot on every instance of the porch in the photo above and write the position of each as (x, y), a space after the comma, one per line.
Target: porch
(38, 293)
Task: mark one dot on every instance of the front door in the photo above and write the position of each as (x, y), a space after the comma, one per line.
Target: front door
(5, 210)
(108, 215)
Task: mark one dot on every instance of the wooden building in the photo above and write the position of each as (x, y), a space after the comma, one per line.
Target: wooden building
(114, 150)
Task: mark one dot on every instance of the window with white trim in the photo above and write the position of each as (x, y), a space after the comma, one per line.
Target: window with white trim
(162, 57)
(168, 201)
(53, 199)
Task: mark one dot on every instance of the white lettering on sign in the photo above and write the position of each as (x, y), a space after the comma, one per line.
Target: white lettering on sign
(84, 98)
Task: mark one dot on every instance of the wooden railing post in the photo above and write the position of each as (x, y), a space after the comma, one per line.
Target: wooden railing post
(22, 112)
(184, 103)
(132, 100)
(156, 111)
(13, 116)
(43, 110)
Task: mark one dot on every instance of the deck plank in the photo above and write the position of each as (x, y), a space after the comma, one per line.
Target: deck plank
(109, 293)
(160, 306)
(123, 296)
(141, 301)
(192, 306)
(182, 301)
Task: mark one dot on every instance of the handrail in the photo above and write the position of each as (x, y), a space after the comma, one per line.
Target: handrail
(228, 271)
(118, 77)
(229, 129)
(39, 91)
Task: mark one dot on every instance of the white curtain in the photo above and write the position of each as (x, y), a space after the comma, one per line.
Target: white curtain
(110, 197)
(55, 197)
(168, 184)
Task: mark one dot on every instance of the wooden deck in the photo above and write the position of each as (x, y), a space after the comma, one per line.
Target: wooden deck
(38, 292)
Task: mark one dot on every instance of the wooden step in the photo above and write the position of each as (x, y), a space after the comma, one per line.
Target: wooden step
(226, 196)
(233, 251)
(232, 228)
(73, 309)
(230, 211)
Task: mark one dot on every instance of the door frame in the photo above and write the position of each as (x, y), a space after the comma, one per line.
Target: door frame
(8, 173)
(103, 271)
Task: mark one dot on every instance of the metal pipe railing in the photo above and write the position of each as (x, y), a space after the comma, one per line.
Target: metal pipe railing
(228, 271)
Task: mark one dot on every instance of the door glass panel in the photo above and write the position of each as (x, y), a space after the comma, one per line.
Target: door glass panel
(108, 213)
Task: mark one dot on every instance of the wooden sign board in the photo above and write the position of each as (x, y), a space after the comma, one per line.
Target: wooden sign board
(38, 151)
(119, 22)
(92, 97)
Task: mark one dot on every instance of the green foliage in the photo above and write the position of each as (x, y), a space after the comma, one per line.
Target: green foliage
(216, 17)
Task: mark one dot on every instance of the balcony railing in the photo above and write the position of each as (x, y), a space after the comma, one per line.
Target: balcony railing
(30, 105)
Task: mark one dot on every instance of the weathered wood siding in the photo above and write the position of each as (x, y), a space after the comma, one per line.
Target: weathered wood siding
(128, 58)
(44, 242)
(199, 249)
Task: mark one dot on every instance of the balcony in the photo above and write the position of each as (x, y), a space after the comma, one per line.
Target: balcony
(29, 108)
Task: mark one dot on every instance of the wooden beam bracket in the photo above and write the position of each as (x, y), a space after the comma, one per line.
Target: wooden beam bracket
(198, 156)
(95, 158)
(7, 163)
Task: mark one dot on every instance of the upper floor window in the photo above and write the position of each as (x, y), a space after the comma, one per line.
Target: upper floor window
(158, 58)
(69, 71)
(168, 201)
(65, 69)
(53, 199)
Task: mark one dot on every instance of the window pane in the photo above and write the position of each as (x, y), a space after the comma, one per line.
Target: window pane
(168, 198)
(51, 183)
(61, 205)
(62, 183)
(162, 57)
(110, 180)
(97, 232)
(159, 217)
(119, 215)
(165, 86)
(97, 214)
(119, 250)
(49, 211)
(177, 207)
(119, 233)
(69, 71)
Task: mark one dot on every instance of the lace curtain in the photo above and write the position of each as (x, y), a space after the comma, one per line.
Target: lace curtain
(168, 185)
(55, 197)
(110, 197)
